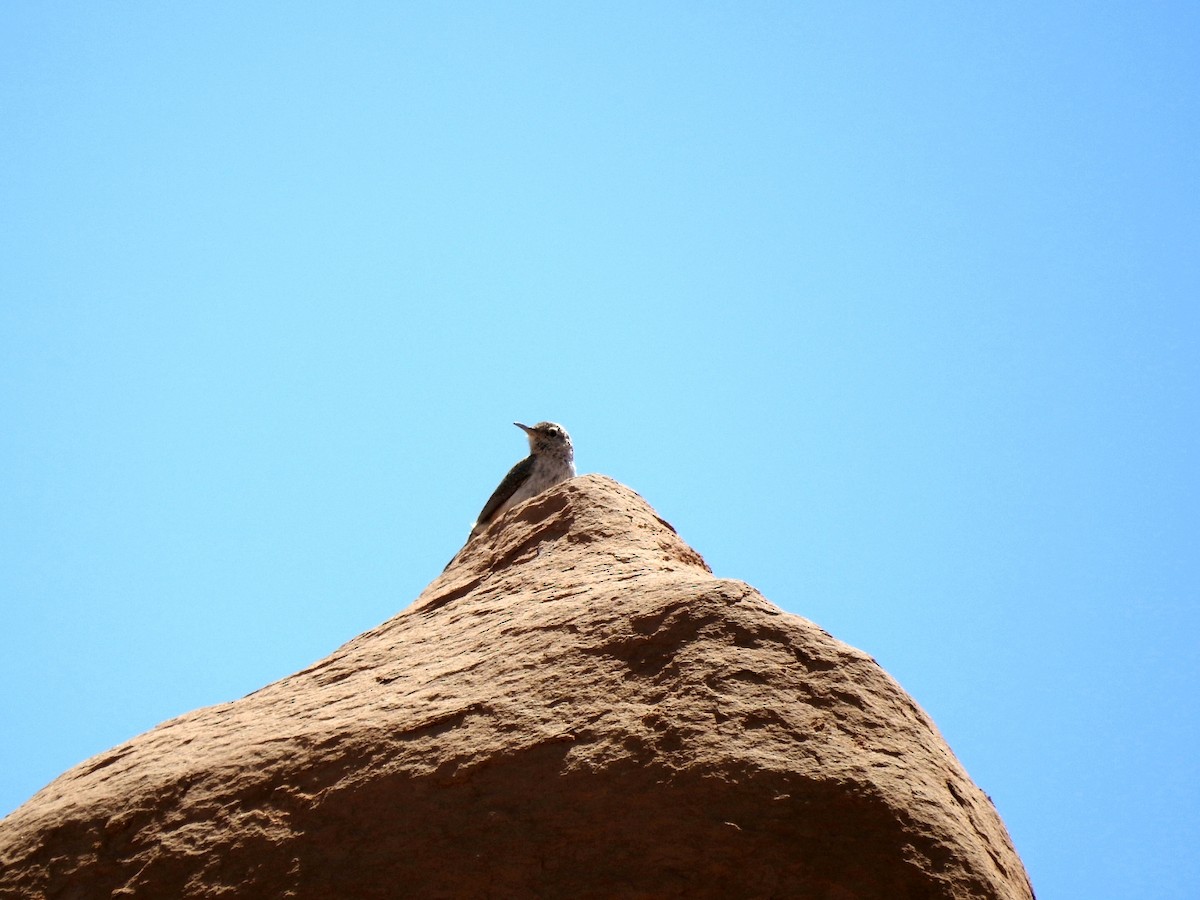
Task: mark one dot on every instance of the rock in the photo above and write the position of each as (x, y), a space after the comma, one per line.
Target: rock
(576, 708)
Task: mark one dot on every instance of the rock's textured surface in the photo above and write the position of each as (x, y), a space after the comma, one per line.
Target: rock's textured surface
(576, 708)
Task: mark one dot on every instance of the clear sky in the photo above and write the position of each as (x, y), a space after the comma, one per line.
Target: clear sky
(891, 309)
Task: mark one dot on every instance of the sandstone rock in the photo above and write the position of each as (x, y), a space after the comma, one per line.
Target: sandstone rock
(576, 708)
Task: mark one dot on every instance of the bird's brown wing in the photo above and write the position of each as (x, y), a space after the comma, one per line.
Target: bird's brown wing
(514, 479)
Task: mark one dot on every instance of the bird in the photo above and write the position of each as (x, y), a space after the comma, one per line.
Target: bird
(551, 460)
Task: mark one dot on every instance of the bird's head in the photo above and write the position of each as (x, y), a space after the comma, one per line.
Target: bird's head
(548, 437)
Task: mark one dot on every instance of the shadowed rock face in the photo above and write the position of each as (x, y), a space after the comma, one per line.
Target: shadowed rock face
(575, 708)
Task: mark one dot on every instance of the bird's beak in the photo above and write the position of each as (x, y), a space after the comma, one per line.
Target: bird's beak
(524, 428)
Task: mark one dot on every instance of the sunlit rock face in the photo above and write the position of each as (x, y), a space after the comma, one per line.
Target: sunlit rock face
(575, 708)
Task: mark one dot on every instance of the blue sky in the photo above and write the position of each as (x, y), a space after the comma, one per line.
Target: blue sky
(890, 309)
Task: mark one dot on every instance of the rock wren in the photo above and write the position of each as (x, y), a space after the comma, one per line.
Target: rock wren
(551, 459)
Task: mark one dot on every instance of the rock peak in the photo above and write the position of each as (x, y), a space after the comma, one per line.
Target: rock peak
(619, 530)
(575, 707)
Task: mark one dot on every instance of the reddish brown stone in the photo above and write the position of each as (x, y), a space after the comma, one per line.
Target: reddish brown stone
(575, 708)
